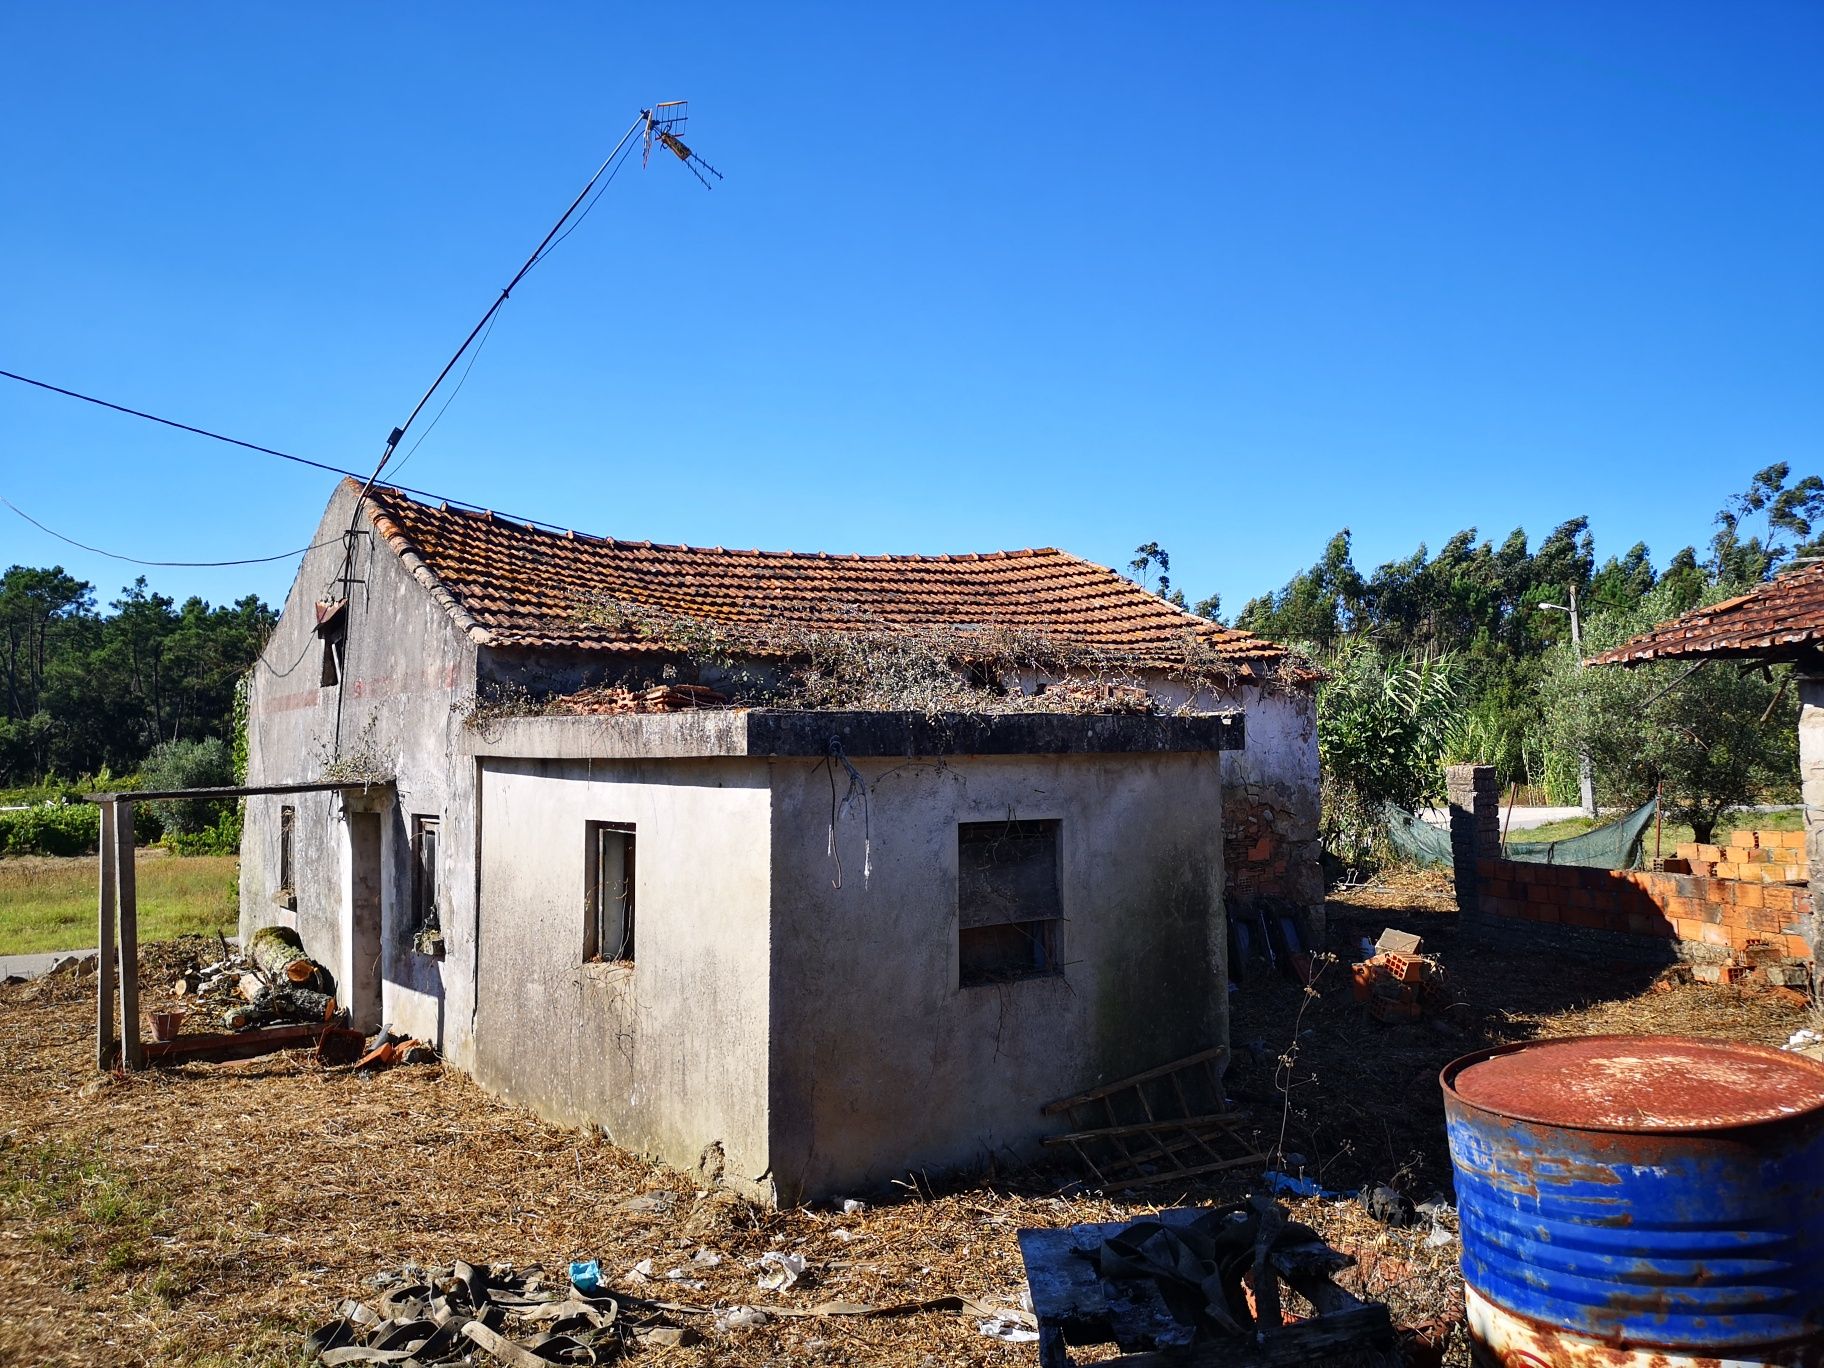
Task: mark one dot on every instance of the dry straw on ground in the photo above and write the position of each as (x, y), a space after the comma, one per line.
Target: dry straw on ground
(212, 1215)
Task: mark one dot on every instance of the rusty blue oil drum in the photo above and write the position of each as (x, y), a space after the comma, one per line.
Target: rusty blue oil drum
(1643, 1200)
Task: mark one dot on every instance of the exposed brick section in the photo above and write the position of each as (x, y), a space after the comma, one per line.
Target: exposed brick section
(1701, 917)
(1270, 854)
(1753, 856)
(515, 585)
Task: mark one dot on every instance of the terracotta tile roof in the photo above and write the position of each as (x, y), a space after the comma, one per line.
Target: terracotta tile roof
(1782, 619)
(510, 584)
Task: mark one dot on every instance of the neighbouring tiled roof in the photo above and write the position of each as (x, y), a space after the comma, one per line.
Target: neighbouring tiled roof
(1782, 619)
(510, 584)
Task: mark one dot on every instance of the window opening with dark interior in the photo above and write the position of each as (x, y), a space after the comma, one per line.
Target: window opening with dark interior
(426, 915)
(335, 639)
(288, 825)
(1009, 906)
(608, 882)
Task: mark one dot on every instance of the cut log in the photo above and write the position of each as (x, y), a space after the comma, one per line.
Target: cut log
(278, 953)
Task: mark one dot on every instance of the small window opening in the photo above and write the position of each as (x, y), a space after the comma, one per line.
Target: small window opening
(608, 886)
(284, 895)
(1009, 906)
(333, 642)
(288, 824)
(426, 914)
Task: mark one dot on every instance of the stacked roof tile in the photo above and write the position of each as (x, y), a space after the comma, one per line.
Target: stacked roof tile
(510, 584)
(1780, 620)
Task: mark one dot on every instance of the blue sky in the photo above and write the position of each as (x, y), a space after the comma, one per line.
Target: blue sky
(1226, 276)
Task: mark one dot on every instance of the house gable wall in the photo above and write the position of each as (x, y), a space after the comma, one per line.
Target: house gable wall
(406, 668)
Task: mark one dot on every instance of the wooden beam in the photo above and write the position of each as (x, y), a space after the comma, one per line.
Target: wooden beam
(337, 1045)
(128, 902)
(241, 791)
(105, 1040)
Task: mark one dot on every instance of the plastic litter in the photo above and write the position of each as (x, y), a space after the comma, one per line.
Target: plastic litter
(1300, 1186)
(780, 1271)
(586, 1276)
(740, 1318)
(1006, 1330)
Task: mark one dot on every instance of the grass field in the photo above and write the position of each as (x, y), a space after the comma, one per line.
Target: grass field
(1675, 833)
(48, 903)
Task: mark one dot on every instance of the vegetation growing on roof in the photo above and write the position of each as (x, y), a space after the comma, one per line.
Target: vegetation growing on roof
(867, 664)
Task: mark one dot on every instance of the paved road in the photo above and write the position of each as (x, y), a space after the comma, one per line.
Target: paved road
(31, 966)
(1523, 819)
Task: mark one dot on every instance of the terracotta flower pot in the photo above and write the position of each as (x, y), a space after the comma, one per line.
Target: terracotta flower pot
(165, 1025)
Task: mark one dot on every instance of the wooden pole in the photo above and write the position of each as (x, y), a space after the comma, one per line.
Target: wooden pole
(131, 1054)
(104, 968)
(1659, 818)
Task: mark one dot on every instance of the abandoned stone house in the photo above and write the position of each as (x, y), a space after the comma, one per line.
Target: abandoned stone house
(615, 847)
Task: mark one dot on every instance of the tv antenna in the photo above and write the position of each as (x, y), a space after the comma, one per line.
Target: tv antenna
(662, 124)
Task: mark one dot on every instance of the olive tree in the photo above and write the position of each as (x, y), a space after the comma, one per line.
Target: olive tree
(1715, 735)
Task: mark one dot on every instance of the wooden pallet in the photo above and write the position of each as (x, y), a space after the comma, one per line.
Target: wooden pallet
(1075, 1305)
(1157, 1126)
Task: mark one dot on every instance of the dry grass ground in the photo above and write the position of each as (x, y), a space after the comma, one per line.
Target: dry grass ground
(211, 1215)
(48, 902)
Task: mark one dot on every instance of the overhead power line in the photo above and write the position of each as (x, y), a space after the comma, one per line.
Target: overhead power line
(135, 560)
(269, 451)
(173, 423)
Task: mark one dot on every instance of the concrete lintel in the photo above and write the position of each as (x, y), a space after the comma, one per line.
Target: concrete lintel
(628, 736)
(1023, 733)
(767, 732)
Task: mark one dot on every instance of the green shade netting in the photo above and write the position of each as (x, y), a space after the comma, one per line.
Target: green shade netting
(1615, 846)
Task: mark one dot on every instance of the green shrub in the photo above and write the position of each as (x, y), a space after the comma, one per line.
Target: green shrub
(186, 765)
(223, 837)
(51, 829)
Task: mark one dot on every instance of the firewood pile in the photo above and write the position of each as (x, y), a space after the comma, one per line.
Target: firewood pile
(270, 981)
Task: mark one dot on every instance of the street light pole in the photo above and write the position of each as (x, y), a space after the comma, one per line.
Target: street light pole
(1586, 782)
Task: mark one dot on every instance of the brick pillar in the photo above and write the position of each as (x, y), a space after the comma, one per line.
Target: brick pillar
(1475, 826)
(1811, 777)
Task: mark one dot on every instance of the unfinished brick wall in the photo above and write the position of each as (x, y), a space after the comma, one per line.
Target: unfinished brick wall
(1708, 916)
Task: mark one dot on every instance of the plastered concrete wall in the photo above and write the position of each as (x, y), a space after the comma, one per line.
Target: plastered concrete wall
(881, 1062)
(1811, 776)
(670, 1055)
(405, 665)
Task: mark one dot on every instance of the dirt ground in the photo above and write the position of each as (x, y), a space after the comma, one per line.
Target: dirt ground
(214, 1214)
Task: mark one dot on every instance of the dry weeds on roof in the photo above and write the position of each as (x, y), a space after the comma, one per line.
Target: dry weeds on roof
(887, 667)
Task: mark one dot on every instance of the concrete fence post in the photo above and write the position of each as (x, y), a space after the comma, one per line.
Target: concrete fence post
(1475, 826)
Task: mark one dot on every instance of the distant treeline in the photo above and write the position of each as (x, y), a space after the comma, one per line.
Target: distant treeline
(82, 690)
(1478, 604)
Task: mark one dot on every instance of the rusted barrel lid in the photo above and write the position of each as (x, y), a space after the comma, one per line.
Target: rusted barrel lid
(1640, 1083)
